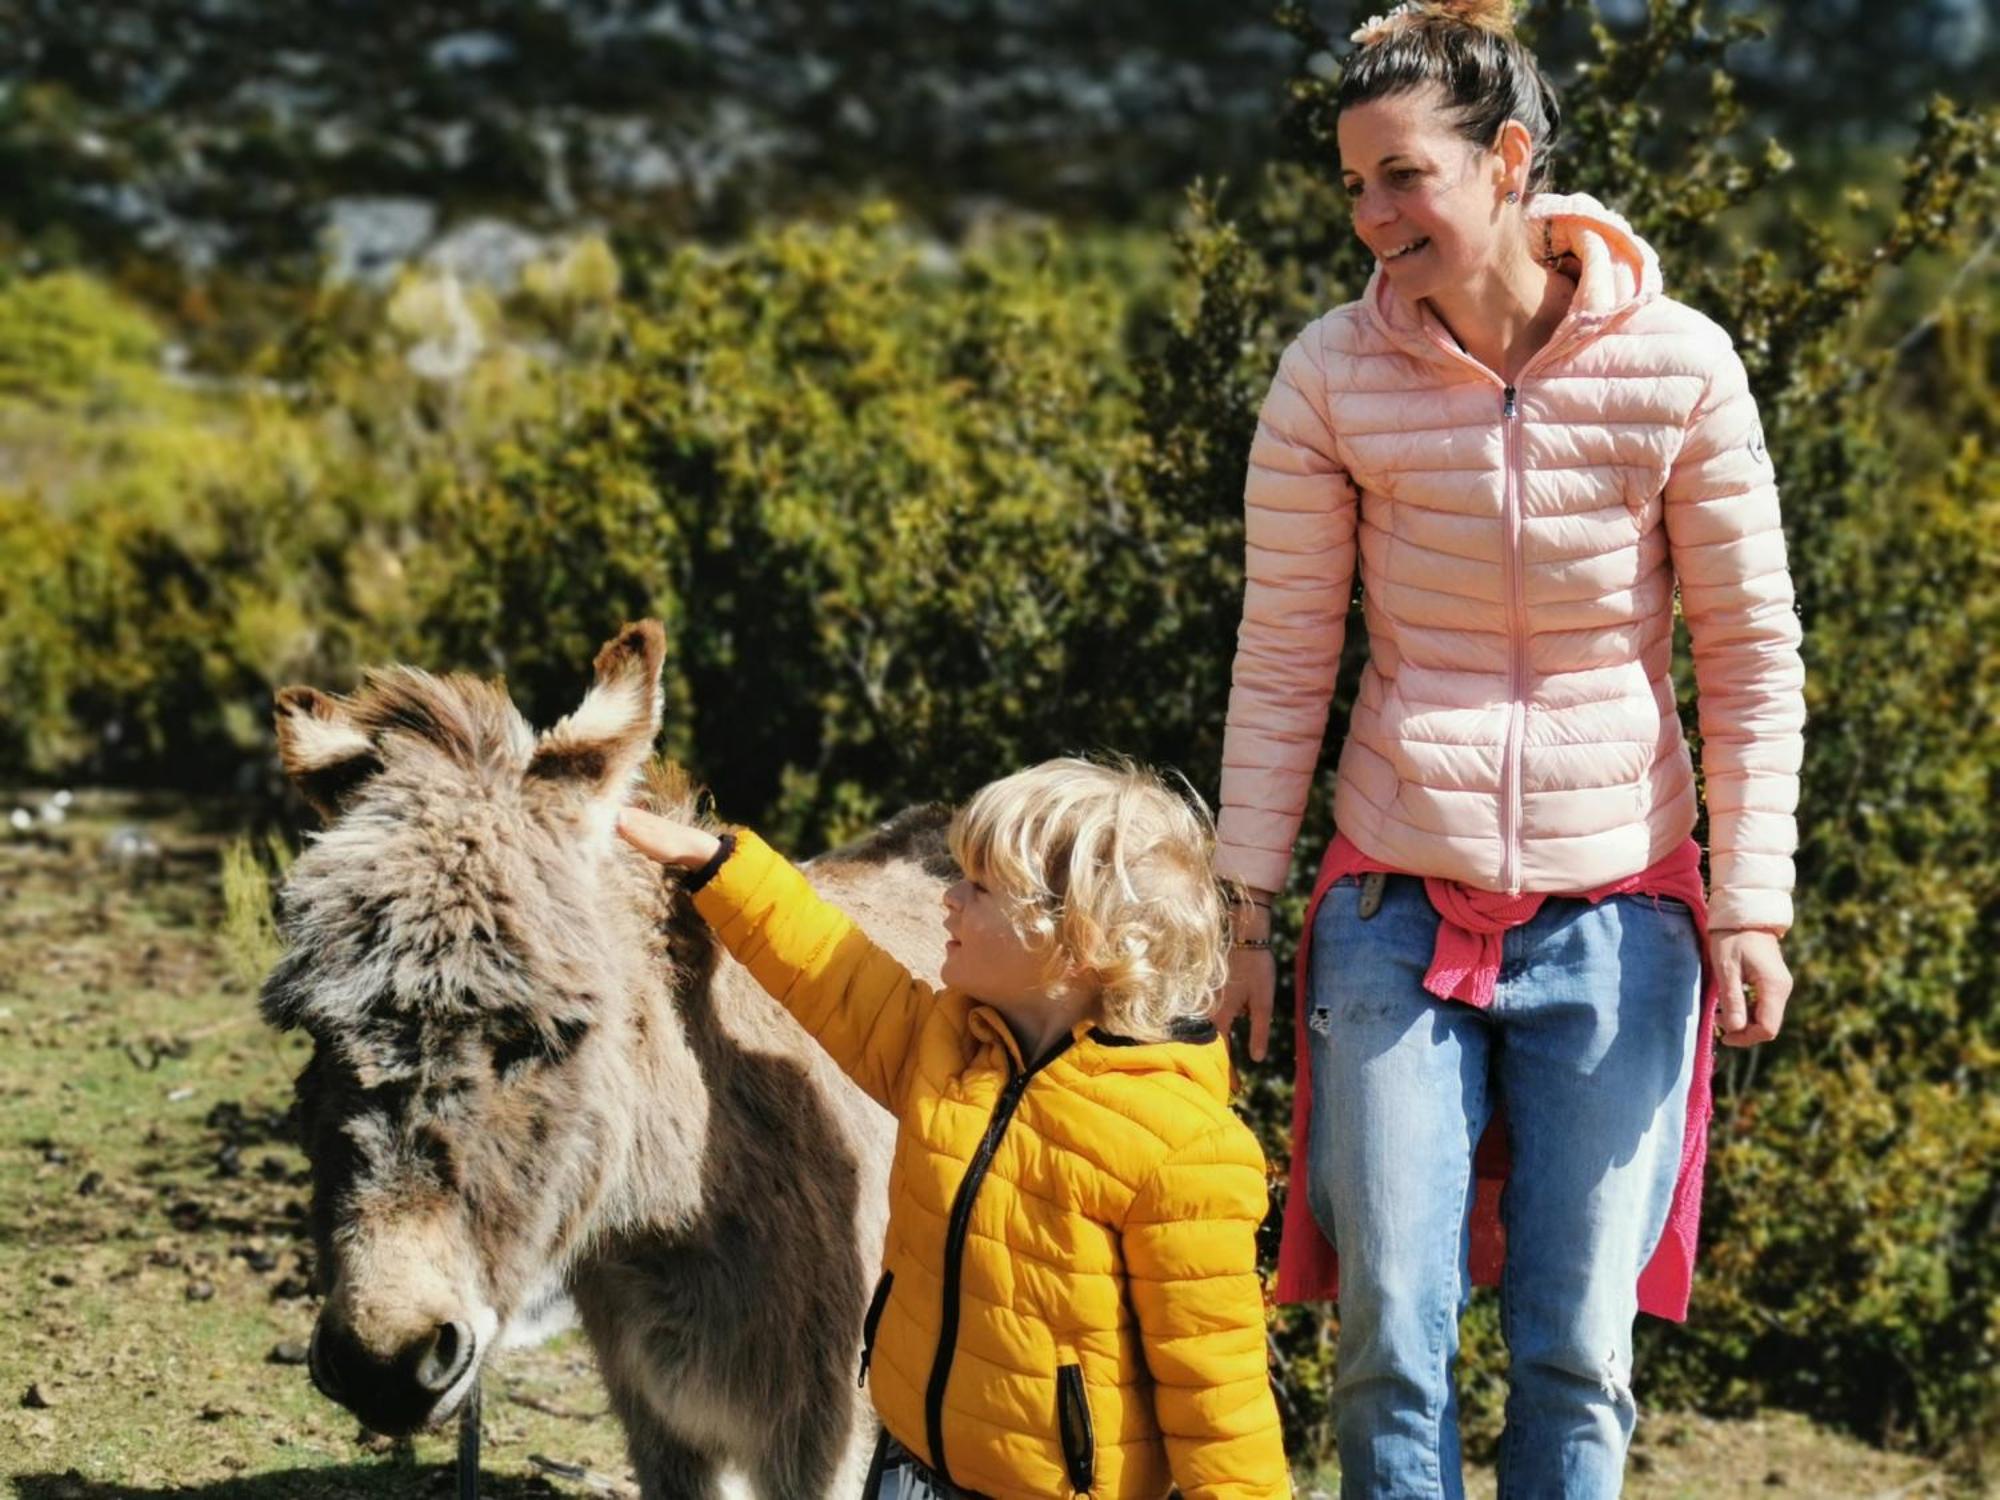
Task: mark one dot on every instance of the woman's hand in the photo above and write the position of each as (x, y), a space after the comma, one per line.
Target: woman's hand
(1747, 957)
(1253, 976)
(679, 845)
(1253, 980)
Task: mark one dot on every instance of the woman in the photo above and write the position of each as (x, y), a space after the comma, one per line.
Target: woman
(1523, 446)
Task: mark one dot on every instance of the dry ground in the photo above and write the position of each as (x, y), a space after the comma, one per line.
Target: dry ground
(155, 1279)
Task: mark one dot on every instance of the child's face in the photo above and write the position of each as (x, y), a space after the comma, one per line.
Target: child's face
(986, 957)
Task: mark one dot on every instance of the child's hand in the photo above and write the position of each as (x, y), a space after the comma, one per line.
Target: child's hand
(676, 844)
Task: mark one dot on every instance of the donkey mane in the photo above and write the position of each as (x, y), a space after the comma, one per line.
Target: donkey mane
(917, 836)
(468, 719)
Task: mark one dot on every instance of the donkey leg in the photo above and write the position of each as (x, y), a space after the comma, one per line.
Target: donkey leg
(669, 1468)
(807, 1465)
(821, 1450)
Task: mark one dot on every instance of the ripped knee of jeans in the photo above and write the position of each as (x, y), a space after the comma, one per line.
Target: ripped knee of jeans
(1614, 1383)
(1320, 1019)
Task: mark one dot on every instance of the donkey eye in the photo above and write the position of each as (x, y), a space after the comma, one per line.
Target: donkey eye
(517, 1049)
(528, 1043)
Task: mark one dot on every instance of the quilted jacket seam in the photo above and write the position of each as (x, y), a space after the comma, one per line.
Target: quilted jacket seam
(1217, 1134)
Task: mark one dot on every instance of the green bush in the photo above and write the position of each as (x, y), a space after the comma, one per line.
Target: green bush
(890, 506)
(888, 498)
(176, 553)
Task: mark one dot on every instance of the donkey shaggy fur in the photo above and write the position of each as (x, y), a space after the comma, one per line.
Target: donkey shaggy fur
(535, 1079)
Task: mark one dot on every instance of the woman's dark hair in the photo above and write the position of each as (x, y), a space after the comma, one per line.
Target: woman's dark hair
(1467, 48)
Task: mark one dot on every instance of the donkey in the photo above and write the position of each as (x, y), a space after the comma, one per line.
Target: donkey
(535, 1084)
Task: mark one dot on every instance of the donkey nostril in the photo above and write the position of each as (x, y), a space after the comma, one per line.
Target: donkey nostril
(445, 1360)
(320, 1369)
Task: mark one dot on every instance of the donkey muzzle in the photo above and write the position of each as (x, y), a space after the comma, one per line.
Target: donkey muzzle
(398, 1391)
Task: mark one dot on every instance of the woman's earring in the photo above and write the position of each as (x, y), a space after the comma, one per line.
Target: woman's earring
(1512, 196)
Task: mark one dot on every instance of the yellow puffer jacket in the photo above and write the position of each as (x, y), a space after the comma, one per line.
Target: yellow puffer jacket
(1069, 1301)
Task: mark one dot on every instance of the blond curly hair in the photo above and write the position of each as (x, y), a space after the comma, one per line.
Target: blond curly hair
(1108, 867)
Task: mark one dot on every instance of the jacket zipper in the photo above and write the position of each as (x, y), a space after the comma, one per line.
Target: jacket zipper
(954, 1253)
(1517, 609)
(1517, 651)
(1079, 1440)
(873, 1321)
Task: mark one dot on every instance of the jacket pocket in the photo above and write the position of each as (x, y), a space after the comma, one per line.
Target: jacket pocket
(1079, 1443)
(873, 1321)
(1664, 903)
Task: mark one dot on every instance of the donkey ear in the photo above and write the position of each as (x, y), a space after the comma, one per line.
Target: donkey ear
(321, 748)
(611, 733)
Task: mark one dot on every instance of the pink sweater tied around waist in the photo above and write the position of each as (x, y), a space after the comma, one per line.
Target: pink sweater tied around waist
(1464, 967)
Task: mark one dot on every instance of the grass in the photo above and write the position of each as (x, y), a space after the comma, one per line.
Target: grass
(153, 1259)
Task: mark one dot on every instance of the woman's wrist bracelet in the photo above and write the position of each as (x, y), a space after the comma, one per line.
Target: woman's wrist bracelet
(1263, 942)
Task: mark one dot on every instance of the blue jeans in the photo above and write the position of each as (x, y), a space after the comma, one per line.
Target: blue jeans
(1590, 1045)
(895, 1474)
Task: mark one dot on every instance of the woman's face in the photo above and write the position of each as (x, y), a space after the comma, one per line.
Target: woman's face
(1426, 200)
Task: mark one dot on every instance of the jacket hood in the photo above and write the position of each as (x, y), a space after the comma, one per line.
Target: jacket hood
(1200, 1055)
(1197, 1052)
(1614, 270)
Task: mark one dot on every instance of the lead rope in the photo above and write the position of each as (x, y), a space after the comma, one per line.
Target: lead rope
(468, 1446)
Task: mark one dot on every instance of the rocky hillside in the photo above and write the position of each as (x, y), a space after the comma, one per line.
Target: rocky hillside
(269, 130)
(261, 134)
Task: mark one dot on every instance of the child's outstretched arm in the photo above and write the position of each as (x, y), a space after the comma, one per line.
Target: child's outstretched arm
(1191, 1262)
(859, 1003)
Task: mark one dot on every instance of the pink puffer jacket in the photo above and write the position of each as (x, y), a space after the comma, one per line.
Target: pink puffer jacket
(1518, 549)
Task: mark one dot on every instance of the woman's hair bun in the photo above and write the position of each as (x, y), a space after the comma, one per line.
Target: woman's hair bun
(1496, 16)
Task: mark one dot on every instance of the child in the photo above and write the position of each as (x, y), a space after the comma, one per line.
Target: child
(1069, 1300)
